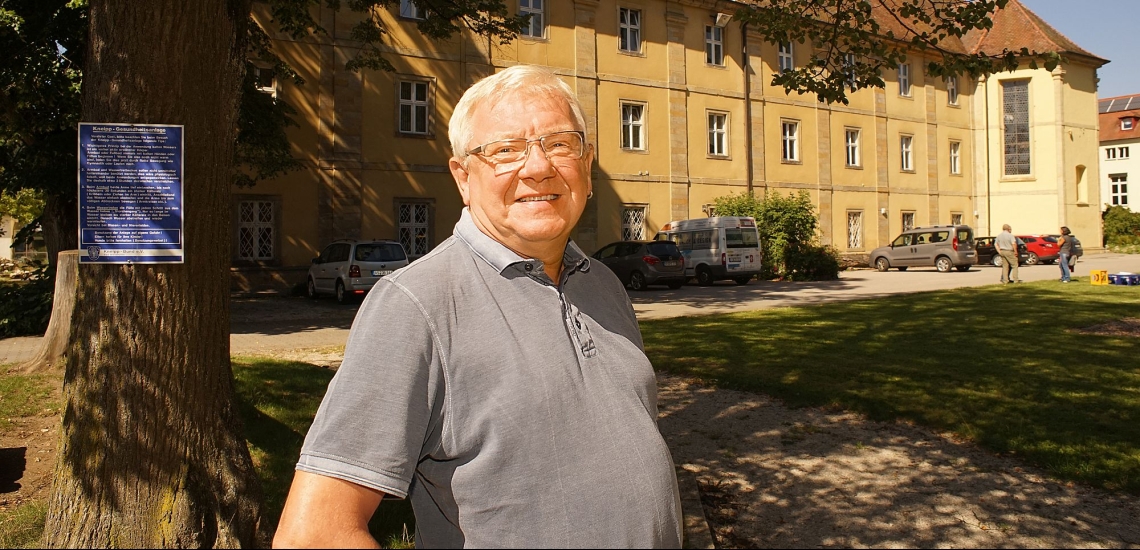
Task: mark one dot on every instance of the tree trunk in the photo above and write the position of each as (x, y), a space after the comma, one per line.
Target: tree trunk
(153, 452)
(60, 223)
(54, 343)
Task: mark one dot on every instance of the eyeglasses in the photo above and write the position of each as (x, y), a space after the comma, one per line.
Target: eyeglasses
(507, 155)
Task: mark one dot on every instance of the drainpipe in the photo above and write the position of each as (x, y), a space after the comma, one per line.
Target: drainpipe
(989, 163)
(747, 102)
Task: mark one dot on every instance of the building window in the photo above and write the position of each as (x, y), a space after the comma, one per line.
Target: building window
(952, 90)
(955, 218)
(536, 28)
(1126, 123)
(906, 148)
(786, 57)
(414, 107)
(265, 79)
(854, 229)
(1110, 153)
(1119, 189)
(849, 65)
(718, 134)
(1122, 152)
(414, 227)
(256, 230)
(955, 157)
(1015, 116)
(633, 126)
(907, 221)
(904, 79)
(410, 10)
(629, 30)
(790, 138)
(633, 222)
(851, 139)
(714, 45)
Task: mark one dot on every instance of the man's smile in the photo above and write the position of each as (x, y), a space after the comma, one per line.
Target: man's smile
(539, 198)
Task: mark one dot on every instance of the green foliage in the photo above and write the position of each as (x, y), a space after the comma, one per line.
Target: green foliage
(22, 526)
(787, 225)
(25, 306)
(878, 36)
(944, 360)
(1121, 226)
(24, 205)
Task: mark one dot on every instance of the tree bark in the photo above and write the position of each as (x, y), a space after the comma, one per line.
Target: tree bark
(55, 340)
(153, 452)
(60, 223)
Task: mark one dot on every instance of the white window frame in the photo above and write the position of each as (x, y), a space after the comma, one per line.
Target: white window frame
(633, 218)
(717, 133)
(1126, 123)
(714, 45)
(904, 79)
(271, 87)
(417, 108)
(854, 229)
(257, 225)
(633, 128)
(786, 55)
(537, 23)
(852, 146)
(1118, 189)
(952, 90)
(906, 153)
(907, 220)
(1122, 153)
(413, 234)
(629, 30)
(955, 218)
(956, 158)
(849, 63)
(409, 10)
(1110, 153)
(789, 140)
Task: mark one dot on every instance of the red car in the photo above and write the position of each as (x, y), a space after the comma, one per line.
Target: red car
(1043, 249)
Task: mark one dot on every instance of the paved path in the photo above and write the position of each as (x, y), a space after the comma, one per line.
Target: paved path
(265, 325)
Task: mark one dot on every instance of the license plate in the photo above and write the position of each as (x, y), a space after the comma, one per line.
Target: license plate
(671, 263)
(379, 273)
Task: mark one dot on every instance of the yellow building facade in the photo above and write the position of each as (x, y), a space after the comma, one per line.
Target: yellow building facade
(681, 111)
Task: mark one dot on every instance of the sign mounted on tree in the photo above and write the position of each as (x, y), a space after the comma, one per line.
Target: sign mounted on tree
(130, 193)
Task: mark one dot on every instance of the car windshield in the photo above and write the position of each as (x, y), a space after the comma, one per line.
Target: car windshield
(742, 238)
(665, 248)
(380, 252)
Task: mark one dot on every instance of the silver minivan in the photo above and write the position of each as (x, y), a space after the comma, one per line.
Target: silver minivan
(348, 269)
(945, 247)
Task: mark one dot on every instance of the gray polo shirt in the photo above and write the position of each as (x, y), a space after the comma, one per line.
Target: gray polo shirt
(512, 411)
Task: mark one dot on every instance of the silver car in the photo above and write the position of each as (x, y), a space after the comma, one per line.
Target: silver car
(944, 247)
(349, 269)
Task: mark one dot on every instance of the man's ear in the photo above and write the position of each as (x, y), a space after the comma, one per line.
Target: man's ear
(462, 178)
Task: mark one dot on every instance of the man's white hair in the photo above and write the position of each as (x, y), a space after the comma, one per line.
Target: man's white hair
(525, 79)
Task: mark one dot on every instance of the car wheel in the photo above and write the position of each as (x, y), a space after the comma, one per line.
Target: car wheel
(637, 281)
(676, 285)
(311, 289)
(1032, 259)
(704, 276)
(882, 264)
(341, 294)
(943, 264)
(996, 260)
(742, 280)
(963, 268)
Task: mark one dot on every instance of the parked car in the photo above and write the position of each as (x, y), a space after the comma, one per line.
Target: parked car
(639, 264)
(987, 254)
(348, 269)
(1042, 249)
(945, 247)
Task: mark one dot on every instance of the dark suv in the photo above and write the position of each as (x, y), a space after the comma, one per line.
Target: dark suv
(987, 254)
(639, 264)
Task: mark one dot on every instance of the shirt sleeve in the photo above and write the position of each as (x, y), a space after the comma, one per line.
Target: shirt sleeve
(383, 408)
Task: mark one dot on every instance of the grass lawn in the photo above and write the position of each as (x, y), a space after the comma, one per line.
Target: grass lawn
(1000, 365)
(278, 400)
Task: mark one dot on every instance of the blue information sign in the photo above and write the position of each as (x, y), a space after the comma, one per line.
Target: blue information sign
(130, 193)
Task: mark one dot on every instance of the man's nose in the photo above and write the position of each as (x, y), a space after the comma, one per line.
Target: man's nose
(536, 165)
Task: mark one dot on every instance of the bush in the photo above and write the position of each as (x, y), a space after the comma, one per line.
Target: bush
(25, 306)
(1121, 226)
(787, 226)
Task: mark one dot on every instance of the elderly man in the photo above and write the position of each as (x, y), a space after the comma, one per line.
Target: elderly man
(498, 382)
(1006, 246)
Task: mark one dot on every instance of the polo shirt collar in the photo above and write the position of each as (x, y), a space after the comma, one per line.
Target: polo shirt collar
(505, 260)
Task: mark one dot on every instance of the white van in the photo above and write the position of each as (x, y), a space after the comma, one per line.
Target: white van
(724, 247)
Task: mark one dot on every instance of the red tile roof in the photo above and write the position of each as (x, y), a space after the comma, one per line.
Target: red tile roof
(1110, 125)
(1017, 27)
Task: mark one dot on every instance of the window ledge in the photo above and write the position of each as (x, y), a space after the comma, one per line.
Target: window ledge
(718, 157)
(853, 166)
(414, 135)
(630, 53)
(786, 161)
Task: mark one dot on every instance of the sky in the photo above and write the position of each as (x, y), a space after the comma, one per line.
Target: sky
(1105, 28)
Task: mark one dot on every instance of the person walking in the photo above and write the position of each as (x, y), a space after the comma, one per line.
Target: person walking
(500, 381)
(1006, 246)
(1068, 253)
